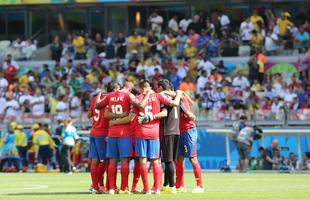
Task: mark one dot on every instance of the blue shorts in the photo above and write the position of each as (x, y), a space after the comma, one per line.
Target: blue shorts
(119, 147)
(98, 148)
(146, 148)
(188, 143)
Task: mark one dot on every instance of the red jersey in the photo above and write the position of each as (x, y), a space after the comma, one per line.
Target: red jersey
(100, 125)
(186, 123)
(151, 129)
(119, 102)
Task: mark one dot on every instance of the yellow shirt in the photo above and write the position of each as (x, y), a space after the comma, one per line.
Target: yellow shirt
(21, 138)
(133, 43)
(91, 78)
(78, 44)
(144, 43)
(283, 25)
(256, 87)
(23, 80)
(254, 19)
(41, 138)
(257, 41)
(190, 51)
(172, 45)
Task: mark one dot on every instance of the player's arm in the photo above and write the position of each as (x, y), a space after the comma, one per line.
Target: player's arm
(110, 115)
(176, 101)
(103, 103)
(162, 114)
(124, 120)
(143, 103)
(187, 110)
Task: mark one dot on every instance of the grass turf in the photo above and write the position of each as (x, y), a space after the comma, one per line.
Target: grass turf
(218, 186)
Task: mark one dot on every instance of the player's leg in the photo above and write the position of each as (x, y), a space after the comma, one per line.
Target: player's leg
(168, 151)
(141, 152)
(136, 170)
(191, 143)
(153, 151)
(94, 163)
(124, 145)
(112, 153)
(179, 164)
(101, 145)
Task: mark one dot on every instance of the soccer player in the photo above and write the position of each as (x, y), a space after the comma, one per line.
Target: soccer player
(98, 144)
(119, 140)
(170, 134)
(147, 135)
(187, 148)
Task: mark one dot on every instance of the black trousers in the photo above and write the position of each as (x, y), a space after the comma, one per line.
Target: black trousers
(22, 152)
(66, 157)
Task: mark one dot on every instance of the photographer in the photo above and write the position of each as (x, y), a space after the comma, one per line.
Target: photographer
(244, 140)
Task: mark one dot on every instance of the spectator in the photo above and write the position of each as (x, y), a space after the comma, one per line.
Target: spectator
(284, 23)
(109, 45)
(62, 108)
(306, 161)
(201, 82)
(29, 49)
(78, 43)
(184, 23)
(99, 44)
(134, 41)
(224, 21)
(292, 162)
(246, 29)
(256, 40)
(181, 42)
(9, 61)
(12, 108)
(56, 49)
(156, 21)
(209, 27)
(195, 25)
(203, 40)
(187, 86)
(255, 19)
(121, 46)
(3, 83)
(241, 82)
(10, 72)
(76, 106)
(304, 62)
(174, 78)
(270, 152)
(37, 103)
(302, 38)
(173, 24)
(69, 135)
(261, 61)
(271, 44)
(205, 64)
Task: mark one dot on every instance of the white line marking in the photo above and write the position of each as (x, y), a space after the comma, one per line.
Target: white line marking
(35, 187)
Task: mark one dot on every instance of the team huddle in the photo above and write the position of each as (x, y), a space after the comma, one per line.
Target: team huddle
(155, 127)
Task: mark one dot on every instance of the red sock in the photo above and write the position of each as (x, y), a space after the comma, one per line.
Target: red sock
(112, 174)
(197, 173)
(94, 176)
(179, 174)
(143, 172)
(157, 173)
(101, 170)
(107, 185)
(125, 174)
(136, 176)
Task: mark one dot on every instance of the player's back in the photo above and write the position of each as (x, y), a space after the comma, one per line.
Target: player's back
(100, 124)
(119, 103)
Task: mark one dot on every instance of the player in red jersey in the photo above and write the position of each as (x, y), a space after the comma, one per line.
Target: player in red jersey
(147, 134)
(119, 140)
(98, 144)
(187, 148)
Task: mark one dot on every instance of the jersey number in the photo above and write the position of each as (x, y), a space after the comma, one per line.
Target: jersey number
(148, 110)
(117, 109)
(97, 114)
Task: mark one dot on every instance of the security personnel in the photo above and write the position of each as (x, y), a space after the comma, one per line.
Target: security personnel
(22, 145)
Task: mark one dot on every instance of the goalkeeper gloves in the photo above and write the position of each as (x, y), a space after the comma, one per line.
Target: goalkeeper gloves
(145, 118)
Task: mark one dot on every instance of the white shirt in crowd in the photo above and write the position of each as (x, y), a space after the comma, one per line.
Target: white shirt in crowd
(63, 112)
(12, 108)
(156, 23)
(224, 20)
(3, 84)
(29, 50)
(205, 65)
(37, 107)
(24, 98)
(182, 71)
(241, 82)
(275, 108)
(76, 109)
(2, 106)
(173, 25)
(271, 42)
(201, 83)
(151, 70)
(246, 29)
(183, 24)
(141, 68)
(121, 78)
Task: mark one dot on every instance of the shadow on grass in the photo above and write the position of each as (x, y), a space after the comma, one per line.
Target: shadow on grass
(47, 193)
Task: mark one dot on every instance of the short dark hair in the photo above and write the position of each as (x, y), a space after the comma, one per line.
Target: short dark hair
(144, 83)
(112, 86)
(165, 84)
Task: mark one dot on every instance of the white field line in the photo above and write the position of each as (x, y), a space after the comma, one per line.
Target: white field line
(35, 187)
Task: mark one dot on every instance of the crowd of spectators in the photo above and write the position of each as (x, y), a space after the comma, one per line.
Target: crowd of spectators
(181, 52)
(271, 158)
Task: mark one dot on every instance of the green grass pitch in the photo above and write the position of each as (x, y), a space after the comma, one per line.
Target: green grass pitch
(218, 186)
